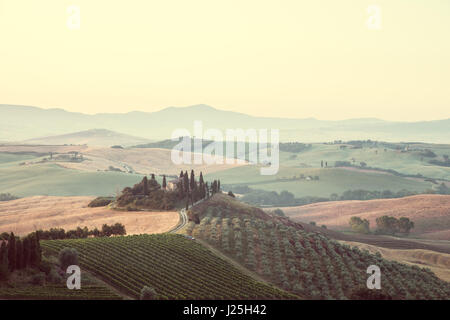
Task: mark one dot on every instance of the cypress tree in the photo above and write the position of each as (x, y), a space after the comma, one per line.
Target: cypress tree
(26, 252)
(4, 263)
(145, 182)
(39, 250)
(186, 183)
(203, 195)
(164, 183)
(153, 176)
(35, 255)
(192, 180)
(32, 251)
(181, 174)
(19, 254)
(201, 184)
(12, 252)
(218, 186)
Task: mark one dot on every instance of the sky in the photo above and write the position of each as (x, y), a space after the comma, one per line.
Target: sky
(326, 59)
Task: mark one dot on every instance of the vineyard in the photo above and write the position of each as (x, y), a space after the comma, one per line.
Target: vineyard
(59, 292)
(177, 268)
(307, 264)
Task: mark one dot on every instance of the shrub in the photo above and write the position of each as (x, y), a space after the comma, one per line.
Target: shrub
(68, 257)
(54, 277)
(359, 225)
(45, 267)
(7, 197)
(148, 293)
(38, 279)
(100, 202)
(279, 212)
(363, 293)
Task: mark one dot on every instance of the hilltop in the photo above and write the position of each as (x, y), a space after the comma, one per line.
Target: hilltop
(23, 122)
(97, 171)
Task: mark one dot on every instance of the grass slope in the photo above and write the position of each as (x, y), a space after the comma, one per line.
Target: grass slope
(25, 215)
(11, 158)
(430, 213)
(50, 179)
(404, 162)
(331, 180)
(438, 262)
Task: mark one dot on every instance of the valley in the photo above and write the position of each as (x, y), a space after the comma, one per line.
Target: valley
(282, 236)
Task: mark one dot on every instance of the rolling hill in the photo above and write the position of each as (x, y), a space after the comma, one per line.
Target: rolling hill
(438, 262)
(19, 123)
(27, 170)
(430, 213)
(25, 215)
(331, 180)
(177, 268)
(93, 137)
(52, 179)
(299, 260)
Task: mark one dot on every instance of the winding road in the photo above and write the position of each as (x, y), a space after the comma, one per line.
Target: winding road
(183, 217)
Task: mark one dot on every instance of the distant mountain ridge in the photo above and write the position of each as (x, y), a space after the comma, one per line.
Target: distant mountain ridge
(18, 123)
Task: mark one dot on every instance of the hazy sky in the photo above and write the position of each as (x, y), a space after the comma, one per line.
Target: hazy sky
(287, 58)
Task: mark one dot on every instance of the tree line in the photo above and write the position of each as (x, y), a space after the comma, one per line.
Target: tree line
(117, 229)
(7, 197)
(150, 194)
(17, 253)
(193, 191)
(385, 225)
(286, 198)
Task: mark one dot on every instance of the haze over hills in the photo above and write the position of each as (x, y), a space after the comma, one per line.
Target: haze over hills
(92, 137)
(19, 123)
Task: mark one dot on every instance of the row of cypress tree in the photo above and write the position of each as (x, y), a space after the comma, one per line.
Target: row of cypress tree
(16, 254)
(192, 190)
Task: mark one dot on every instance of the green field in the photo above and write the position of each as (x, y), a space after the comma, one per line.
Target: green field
(9, 159)
(177, 268)
(331, 180)
(410, 163)
(337, 180)
(50, 179)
